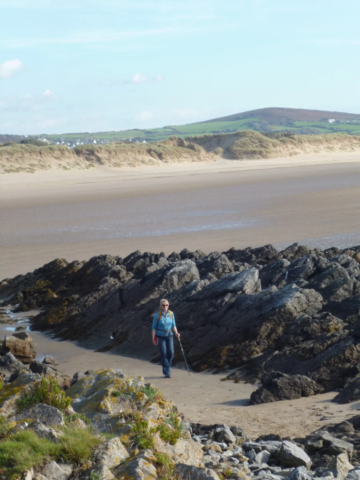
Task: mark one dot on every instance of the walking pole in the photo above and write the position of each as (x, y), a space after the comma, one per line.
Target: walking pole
(187, 366)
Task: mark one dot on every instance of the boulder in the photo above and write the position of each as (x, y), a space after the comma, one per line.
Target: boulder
(110, 454)
(48, 416)
(341, 466)
(290, 455)
(324, 442)
(224, 434)
(10, 365)
(53, 471)
(139, 468)
(22, 348)
(350, 393)
(300, 473)
(184, 451)
(278, 386)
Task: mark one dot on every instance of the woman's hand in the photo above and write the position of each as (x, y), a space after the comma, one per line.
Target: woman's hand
(177, 334)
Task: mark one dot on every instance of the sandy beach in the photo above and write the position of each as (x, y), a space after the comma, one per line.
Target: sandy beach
(75, 215)
(314, 199)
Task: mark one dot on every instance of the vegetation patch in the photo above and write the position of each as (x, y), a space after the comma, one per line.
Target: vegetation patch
(48, 392)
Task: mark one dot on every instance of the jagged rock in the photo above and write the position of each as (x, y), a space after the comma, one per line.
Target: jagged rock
(350, 393)
(353, 475)
(327, 444)
(184, 451)
(110, 454)
(195, 473)
(182, 273)
(11, 392)
(245, 282)
(278, 386)
(290, 455)
(22, 348)
(223, 433)
(49, 371)
(262, 457)
(140, 468)
(53, 471)
(341, 466)
(299, 473)
(305, 321)
(10, 365)
(49, 416)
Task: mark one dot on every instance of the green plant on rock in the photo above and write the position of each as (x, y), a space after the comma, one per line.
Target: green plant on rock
(74, 416)
(76, 446)
(95, 475)
(150, 392)
(142, 434)
(164, 466)
(48, 392)
(168, 434)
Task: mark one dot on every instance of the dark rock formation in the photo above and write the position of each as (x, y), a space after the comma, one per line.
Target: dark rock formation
(258, 310)
(279, 386)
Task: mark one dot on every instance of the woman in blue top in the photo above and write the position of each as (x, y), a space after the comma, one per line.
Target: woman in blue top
(163, 327)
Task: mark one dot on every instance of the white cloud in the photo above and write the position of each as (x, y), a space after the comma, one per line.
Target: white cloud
(10, 67)
(159, 78)
(49, 94)
(27, 96)
(139, 78)
(144, 116)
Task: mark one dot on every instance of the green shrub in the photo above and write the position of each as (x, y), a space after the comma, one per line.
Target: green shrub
(76, 445)
(164, 466)
(48, 392)
(168, 434)
(150, 392)
(142, 435)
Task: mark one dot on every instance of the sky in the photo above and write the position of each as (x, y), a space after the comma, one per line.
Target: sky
(104, 65)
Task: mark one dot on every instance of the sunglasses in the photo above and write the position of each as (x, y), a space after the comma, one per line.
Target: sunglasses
(164, 304)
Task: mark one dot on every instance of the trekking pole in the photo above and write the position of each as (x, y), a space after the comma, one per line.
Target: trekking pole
(187, 366)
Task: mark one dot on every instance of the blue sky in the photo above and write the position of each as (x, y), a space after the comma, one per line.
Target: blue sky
(99, 65)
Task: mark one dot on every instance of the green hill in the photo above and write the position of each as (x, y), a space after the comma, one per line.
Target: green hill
(271, 120)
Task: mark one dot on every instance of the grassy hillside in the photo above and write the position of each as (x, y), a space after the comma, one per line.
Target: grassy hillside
(264, 120)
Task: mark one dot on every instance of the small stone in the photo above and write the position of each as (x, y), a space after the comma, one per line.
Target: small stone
(50, 361)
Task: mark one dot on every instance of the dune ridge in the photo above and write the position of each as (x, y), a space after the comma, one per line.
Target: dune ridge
(27, 158)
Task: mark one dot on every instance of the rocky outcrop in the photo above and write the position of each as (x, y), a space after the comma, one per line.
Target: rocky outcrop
(256, 310)
(149, 439)
(278, 386)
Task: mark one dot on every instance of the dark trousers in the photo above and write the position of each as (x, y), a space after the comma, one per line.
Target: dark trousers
(166, 348)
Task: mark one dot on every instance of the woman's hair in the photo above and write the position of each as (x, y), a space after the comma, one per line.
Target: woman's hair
(163, 300)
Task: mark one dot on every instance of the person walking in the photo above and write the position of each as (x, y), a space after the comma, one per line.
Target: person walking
(163, 329)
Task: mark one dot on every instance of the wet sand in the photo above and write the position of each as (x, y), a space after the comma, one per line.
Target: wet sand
(77, 214)
(203, 397)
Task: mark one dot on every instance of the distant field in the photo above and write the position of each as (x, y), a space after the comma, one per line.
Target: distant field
(204, 128)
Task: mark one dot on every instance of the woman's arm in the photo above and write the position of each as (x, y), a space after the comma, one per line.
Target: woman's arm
(177, 334)
(153, 332)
